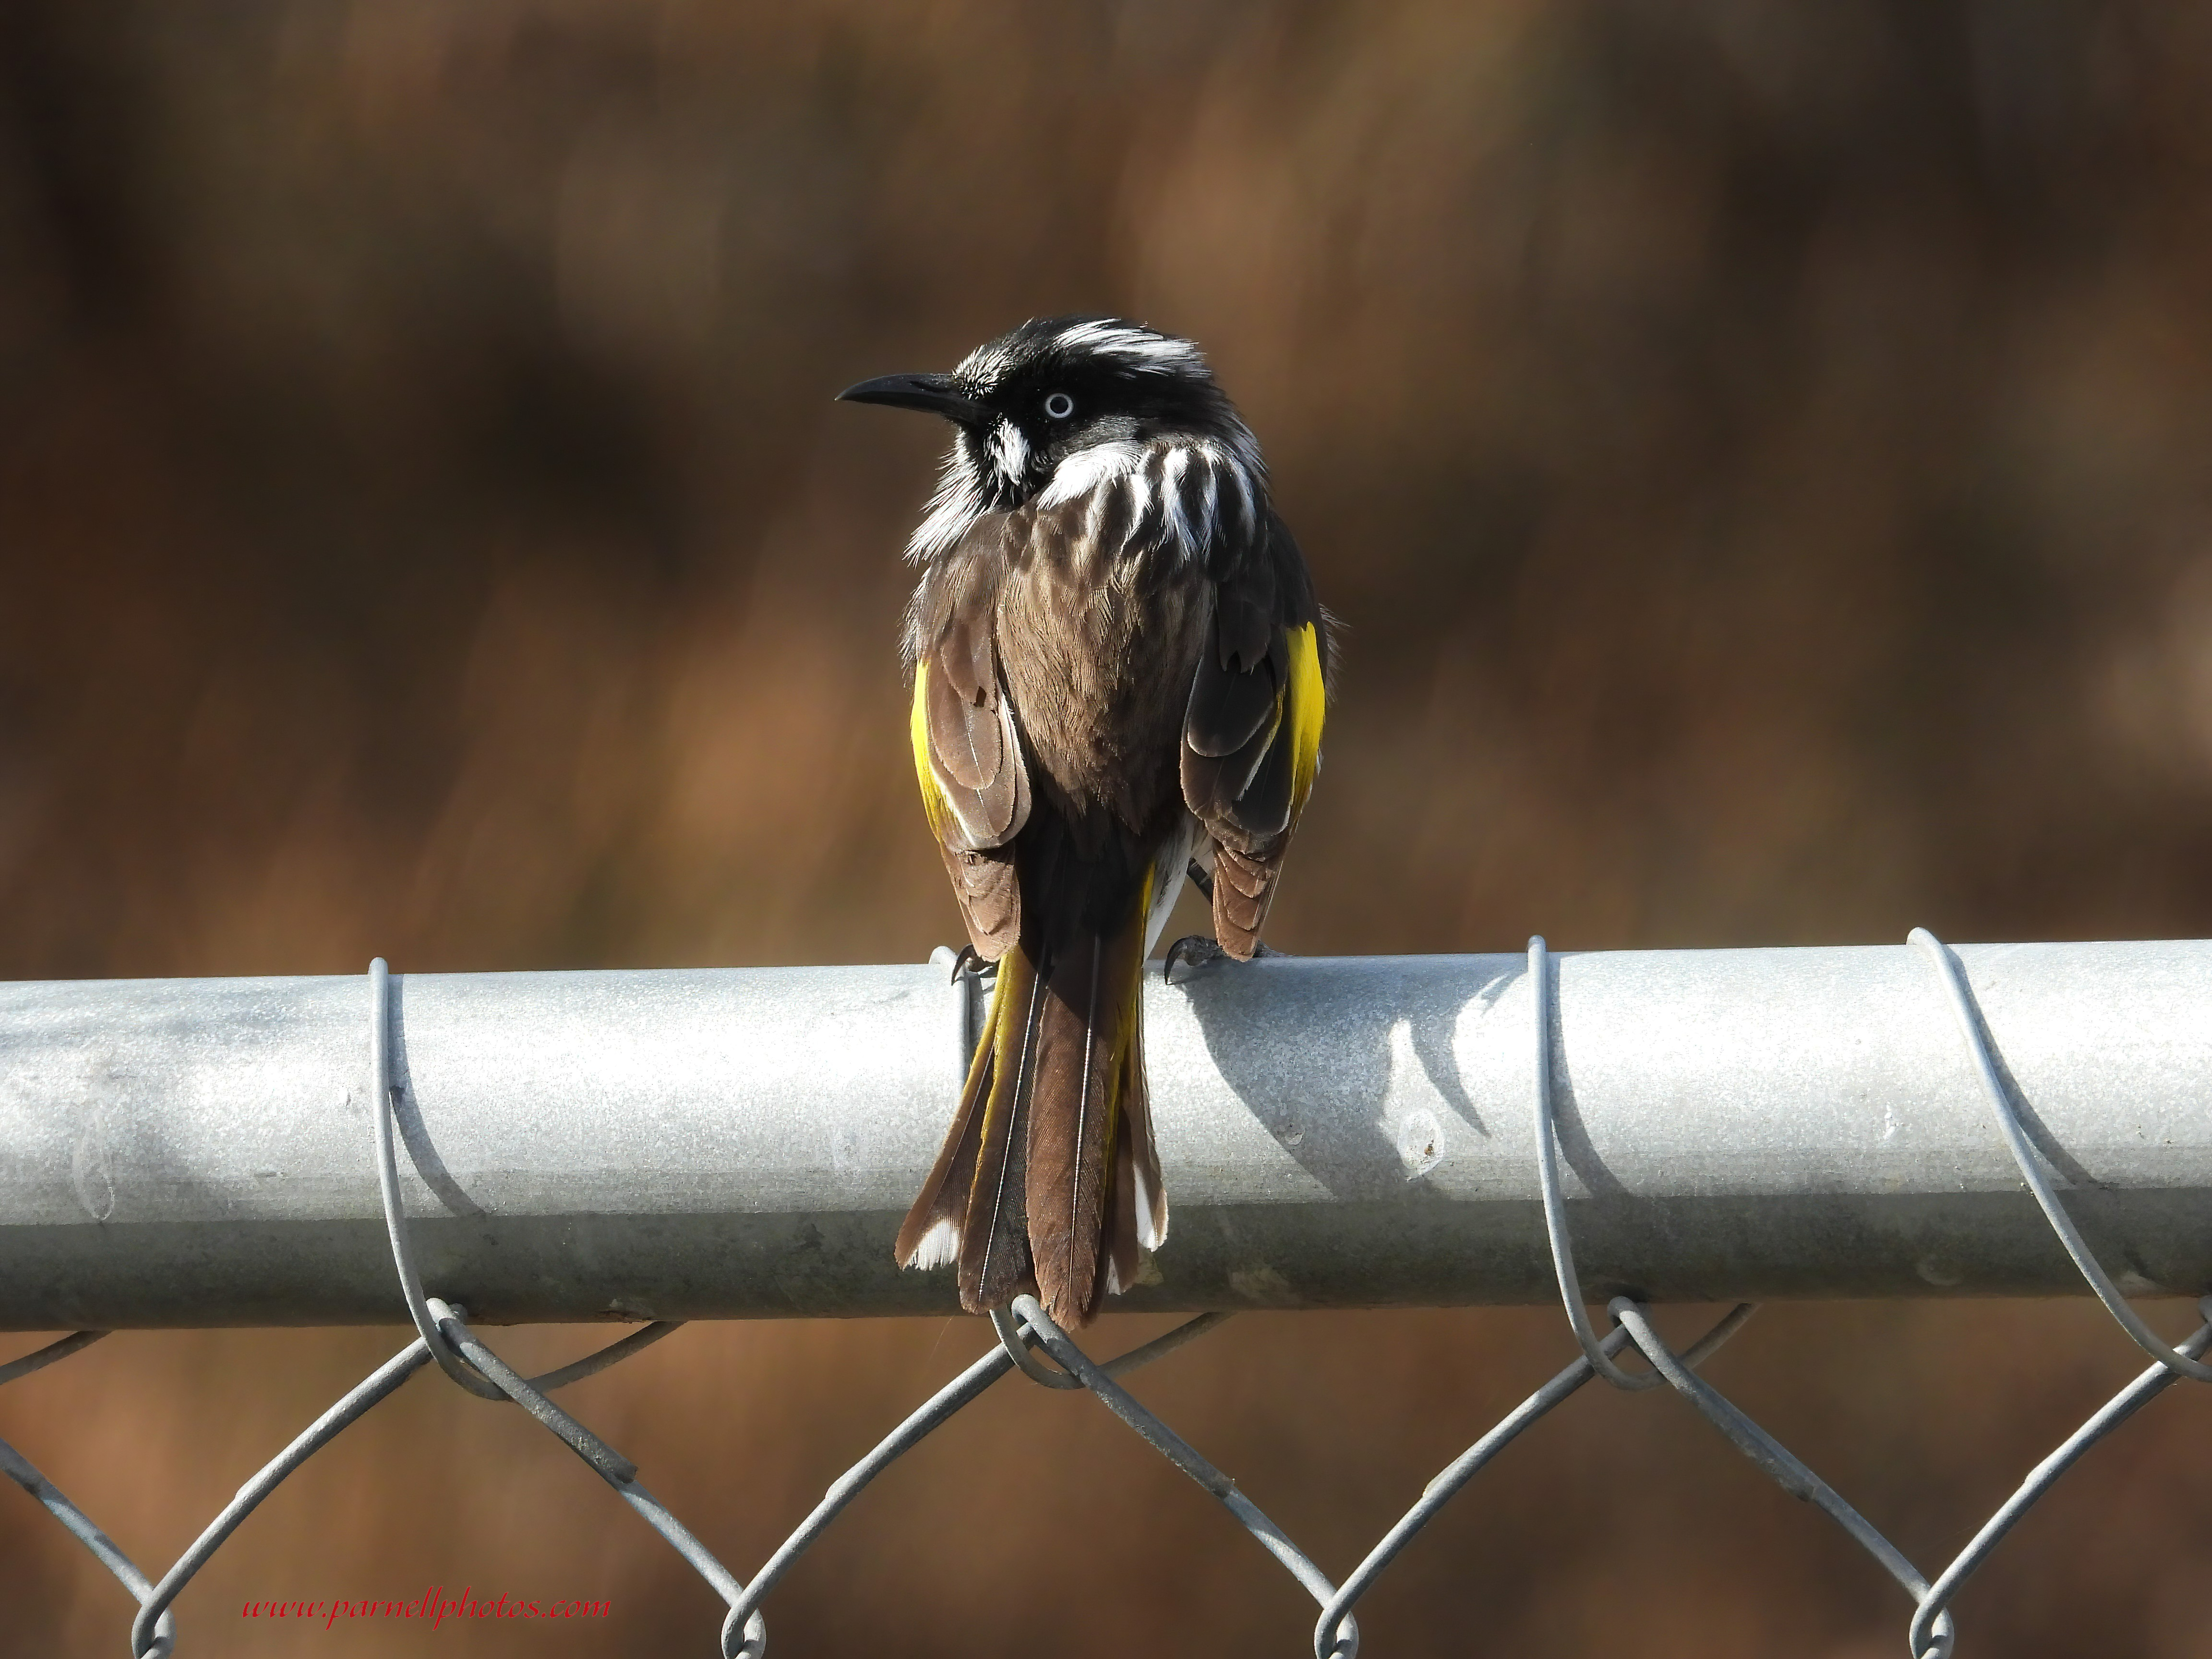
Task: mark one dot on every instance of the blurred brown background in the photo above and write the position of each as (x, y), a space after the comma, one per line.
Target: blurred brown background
(1764, 452)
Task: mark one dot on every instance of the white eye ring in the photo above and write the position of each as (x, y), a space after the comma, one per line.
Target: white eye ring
(1060, 406)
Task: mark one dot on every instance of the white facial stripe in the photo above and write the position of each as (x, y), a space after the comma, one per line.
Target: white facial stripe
(1010, 450)
(1087, 468)
(958, 502)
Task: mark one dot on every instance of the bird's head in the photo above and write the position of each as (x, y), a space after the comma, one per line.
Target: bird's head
(1052, 390)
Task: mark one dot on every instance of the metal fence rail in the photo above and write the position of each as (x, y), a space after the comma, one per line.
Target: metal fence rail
(1805, 1119)
(1733, 1124)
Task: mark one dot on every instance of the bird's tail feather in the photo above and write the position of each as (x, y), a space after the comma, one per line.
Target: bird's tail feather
(995, 1251)
(931, 1234)
(1086, 1052)
(1048, 1179)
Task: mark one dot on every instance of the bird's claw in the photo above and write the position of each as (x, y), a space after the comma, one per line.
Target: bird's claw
(1194, 949)
(969, 962)
(1198, 951)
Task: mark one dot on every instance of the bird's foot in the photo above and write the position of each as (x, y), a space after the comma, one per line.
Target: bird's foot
(967, 961)
(1195, 951)
(1201, 879)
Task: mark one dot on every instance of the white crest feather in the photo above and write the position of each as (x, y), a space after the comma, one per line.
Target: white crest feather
(1137, 348)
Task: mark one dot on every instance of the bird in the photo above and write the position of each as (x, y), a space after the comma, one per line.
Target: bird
(1120, 673)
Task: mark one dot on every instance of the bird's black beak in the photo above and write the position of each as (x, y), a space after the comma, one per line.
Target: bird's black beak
(934, 394)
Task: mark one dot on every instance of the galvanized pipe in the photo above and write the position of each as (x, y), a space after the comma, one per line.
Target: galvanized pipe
(1336, 1133)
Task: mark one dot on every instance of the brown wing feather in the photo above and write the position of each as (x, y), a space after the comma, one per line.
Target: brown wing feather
(974, 753)
(965, 740)
(1239, 750)
(989, 893)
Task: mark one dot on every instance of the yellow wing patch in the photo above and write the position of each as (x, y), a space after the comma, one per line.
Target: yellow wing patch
(932, 797)
(1309, 701)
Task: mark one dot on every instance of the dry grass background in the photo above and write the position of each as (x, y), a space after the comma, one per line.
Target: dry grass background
(1761, 451)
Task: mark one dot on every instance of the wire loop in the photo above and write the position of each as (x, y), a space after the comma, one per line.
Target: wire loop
(383, 1108)
(1016, 1340)
(1597, 1353)
(1969, 1016)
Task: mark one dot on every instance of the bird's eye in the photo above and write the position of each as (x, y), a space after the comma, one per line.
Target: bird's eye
(1060, 406)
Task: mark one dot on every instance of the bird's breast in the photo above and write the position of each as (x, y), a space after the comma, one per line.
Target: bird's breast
(1098, 638)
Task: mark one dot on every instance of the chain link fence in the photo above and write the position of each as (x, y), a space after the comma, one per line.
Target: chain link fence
(1027, 1340)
